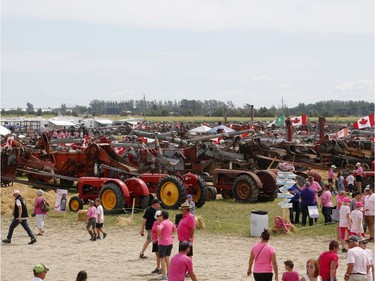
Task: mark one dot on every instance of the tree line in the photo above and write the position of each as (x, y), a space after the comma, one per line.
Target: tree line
(211, 107)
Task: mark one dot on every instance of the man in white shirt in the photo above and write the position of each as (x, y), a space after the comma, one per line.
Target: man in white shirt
(357, 261)
(369, 209)
(363, 244)
(40, 272)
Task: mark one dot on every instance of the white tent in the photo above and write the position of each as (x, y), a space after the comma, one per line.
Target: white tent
(201, 129)
(225, 128)
(4, 131)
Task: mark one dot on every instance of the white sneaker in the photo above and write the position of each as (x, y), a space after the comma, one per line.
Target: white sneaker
(163, 277)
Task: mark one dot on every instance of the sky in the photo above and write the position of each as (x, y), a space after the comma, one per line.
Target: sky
(259, 52)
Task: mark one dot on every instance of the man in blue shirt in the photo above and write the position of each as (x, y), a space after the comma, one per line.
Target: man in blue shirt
(307, 199)
(296, 204)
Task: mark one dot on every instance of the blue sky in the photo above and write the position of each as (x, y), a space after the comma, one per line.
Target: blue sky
(244, 51)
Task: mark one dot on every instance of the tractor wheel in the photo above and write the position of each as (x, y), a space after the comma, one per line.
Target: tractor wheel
(199, 192)
(227, 194)
(75, 204)
(171, 192)
(211, 193)
(144, 202)
(245, 189)
(112, 197)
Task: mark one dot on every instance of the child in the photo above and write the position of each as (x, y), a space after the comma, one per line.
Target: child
(356, 217)
(91, 220)
(191, 203)
(99, 219)
(289, 274)
(344, 221)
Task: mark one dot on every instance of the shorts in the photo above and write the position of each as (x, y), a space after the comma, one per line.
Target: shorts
(355, 234)
(99, 225)
(342, 232)
(190, 254)
(155, 247)
(91, 223)
(149, 235)
(358, 178)
(165, 250)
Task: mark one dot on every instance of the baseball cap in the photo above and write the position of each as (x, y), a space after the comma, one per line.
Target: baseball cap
(367, 187)
(16, 192)
(333, 167)
(155, 200)
(157, 214)
(39, 268)
(358, 164)
(346, 200)
(189, 196)
(353, 238)
(184, 245)
(358, 204)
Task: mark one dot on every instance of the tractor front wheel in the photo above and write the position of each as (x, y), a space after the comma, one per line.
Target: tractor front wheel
(112, 197)
(171, 192)
(211, 193)
(75, 204)
(245, 189)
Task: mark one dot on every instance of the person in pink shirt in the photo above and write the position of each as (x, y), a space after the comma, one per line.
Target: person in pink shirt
(290, 274)
(166, 229)
(181, 264)
(314, 186)
(331, 174)
(263, 256)
(91, 220)
(326, 202)
(358, 177)
(186, 226)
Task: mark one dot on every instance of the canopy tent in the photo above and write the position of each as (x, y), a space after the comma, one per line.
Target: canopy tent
(4, 131)
(200, 129)
(214, 130)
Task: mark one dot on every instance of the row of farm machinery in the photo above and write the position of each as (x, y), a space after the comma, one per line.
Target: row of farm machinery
(131, 172)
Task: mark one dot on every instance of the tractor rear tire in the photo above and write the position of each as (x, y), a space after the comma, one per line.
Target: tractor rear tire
(211, 193)
(245, 189)
(75, 204)
(112, 197)
(199, 192)
(171, 192)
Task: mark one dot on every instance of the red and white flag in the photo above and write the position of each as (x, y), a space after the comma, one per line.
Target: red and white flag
(342, 133)
(299, 120)
(364, 122)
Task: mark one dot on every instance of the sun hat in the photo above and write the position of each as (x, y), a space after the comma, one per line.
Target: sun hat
(358, 164)
(157, 214)
(39, 268)
(333, 167)
(185, 206)
(39, 192)
(346, 200)
(353, 238)
(16, 192)
(358, 204)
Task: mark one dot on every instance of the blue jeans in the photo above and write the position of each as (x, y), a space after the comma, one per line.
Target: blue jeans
(24, 224)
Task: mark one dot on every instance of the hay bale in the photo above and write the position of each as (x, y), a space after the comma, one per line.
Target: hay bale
(81, 215)
(199, 223)
(124, 221)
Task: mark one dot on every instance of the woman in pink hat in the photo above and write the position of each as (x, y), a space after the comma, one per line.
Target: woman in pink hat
(356, 217)
(344, 221)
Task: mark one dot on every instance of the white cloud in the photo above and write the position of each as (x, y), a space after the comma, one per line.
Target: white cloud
(356, 86)
(261, 78)
(321, 16)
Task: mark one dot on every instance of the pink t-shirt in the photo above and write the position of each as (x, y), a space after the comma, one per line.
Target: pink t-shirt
(331, 174)
(186, 225)
(357, 217)
(263, 261)
(344, 212)
(38, 210)
(290, 276)
(315, 186)
(154, 231)
(91, 212)
(167, 228)
(326, 199)
(180, 264)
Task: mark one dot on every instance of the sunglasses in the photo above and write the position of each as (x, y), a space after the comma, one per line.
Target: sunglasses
(363, 243)
(310, 266)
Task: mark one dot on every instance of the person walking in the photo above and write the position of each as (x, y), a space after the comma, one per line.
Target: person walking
(369, 208)
(358, 177)
(40, 271)
(356, 218)
(263, 256)
(20, 216)
(329, 262)
(166, 229)
(181, 264)
(91, 220)
(340, 182)
(327, 205)
(155, 245)
(99, 219)
(186, 227)
(39, 213)
(331, 174)
(344, 222)
(357, 261)
(148, 221)
(370, 255)
(289, 274)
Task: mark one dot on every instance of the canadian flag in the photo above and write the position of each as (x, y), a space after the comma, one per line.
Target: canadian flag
(364, 122)
(342, 133)
(299, 120)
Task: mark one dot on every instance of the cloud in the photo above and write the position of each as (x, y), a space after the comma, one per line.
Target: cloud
(361, 85)
(340, 16)
(261, 78)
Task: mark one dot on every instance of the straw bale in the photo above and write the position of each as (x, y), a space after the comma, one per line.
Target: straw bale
(81, 215)
(27, 192)
(124, 221)
(199, 223)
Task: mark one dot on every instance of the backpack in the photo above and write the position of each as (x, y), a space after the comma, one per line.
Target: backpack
(44, 206)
